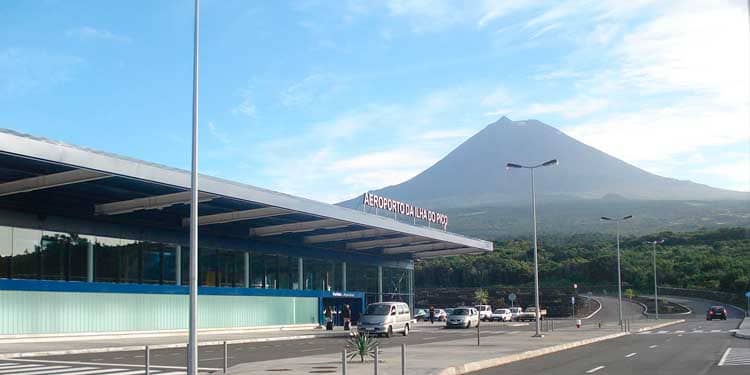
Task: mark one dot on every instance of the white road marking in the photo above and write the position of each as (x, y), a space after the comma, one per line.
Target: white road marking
(697, 331)
(645, 333)
(662, 332)
(7, 364)
(595, 369)
(724, 356)
(97, 371)
(12, 369)
(124, 365)
(715, 330)
(653, 346)
(732, 330)
(680, 335)
(679, 331)
(735, 357)
(46, 371)
(630, 355)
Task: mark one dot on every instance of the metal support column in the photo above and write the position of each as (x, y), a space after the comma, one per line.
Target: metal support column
(343, 276)
(90, 262)
(246, 259)
(178, 265)
(411, 288)
(380, 283)
(300, 274)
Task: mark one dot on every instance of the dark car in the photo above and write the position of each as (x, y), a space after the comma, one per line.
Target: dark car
(716, 312)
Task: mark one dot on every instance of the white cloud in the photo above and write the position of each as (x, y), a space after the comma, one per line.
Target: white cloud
(88, 32)
(246, 106)
(570, 108)
(735, 173)
(24, 71)
(313, 88)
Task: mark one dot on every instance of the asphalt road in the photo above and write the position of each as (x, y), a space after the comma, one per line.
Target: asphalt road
(694, 347)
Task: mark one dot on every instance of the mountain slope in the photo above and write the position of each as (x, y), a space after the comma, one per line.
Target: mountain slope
(474, 173)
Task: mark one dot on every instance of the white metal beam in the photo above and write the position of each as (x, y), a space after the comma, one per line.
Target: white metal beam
(353, 235)
(226, 217)
(418, 248)
(303, 226)
(442, 253)
(155, 202)
(398, 241)
(47, 181)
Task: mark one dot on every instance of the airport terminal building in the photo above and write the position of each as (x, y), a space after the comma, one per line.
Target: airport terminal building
(93, 242)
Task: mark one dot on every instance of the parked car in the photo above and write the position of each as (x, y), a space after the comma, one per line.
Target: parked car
(449, 311)
(463, 317)
(385, 318)
(501, 315)
(530, 314)
(485, 312)
(422, 314)
(716, 312)
(515, 312)
(440, 315)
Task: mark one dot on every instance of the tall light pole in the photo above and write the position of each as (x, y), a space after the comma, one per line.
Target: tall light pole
(193, 331)
(619, 273)
(533, 216)
(656, 290)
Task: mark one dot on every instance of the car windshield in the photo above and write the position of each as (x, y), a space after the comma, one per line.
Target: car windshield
(500, 311)
(378, 310)
(460, 312)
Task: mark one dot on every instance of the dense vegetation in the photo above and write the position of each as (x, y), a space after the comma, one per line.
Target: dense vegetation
(709, 259)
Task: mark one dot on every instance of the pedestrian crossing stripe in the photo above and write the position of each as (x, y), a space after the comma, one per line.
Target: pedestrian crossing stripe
(735, 357)
(61, 368)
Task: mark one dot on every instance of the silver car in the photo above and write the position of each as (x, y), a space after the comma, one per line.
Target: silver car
(463, 317)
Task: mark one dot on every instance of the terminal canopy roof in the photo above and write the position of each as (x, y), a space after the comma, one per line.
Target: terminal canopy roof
(67, 183)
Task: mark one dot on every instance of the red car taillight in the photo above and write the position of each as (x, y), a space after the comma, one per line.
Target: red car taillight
(711, 312)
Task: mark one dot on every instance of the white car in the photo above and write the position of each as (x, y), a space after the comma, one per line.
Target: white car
(485, 312)
(515, 312)
(502, 315)
(463, 317)
(385, 318)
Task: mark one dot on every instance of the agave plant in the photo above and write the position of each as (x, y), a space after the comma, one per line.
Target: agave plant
(361, 344)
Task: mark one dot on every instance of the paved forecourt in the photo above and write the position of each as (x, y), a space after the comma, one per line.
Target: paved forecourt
(453, 356)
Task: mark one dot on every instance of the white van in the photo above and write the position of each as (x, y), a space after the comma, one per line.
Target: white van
(385, 318)
(485, 312)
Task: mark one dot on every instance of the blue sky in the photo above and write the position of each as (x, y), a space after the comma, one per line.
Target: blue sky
(327, 99)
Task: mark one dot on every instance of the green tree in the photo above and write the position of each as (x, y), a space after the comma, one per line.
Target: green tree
(629, 293)
(481, 296)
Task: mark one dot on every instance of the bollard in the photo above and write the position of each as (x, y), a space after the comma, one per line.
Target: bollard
(147, 365)
(553, 325)
(403, 359)
(477, 334)
(343, 362)
(578, 323)
(226, 356)
(377, 359)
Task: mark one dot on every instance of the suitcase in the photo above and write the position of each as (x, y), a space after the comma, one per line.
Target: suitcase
(329, 325)
(347, 325)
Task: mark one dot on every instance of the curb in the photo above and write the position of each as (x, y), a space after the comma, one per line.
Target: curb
(162, 346)
(494, 362)
(595, 312)
(645, 309)
(743, 333)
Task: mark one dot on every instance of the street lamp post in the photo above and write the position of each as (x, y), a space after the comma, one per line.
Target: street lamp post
(619, 273)
(192, 366)
(656, 290)
(533, 215)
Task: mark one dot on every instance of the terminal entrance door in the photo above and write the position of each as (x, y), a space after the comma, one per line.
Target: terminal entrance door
(337, 306)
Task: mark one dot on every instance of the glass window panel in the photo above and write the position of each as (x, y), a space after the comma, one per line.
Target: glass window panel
(272, 269)
(6, 251)
(129, 263)
(294, 273)
(283, 271)
(257, 270)
(152, 263)
(168, 265)
(107, 259)
(207, 267)
(54, 254)
(76, 265)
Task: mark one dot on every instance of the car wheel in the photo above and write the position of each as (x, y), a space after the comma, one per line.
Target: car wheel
(406, 330)
(389, 332)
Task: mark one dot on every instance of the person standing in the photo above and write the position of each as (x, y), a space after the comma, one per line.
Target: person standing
(432, 314)
(328, 313)
(347, 315)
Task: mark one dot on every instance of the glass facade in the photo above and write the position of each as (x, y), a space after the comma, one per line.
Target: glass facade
(46, 255)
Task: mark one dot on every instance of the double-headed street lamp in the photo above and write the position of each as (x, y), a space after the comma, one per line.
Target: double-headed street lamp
(619, 274)
(533, 215)
(656, 291)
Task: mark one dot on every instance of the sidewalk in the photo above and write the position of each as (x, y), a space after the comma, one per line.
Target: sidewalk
(743, 331)
(63, 345)
(455, 356)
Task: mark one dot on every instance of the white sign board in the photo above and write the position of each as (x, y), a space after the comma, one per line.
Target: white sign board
(512, 297)
(405, 209)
